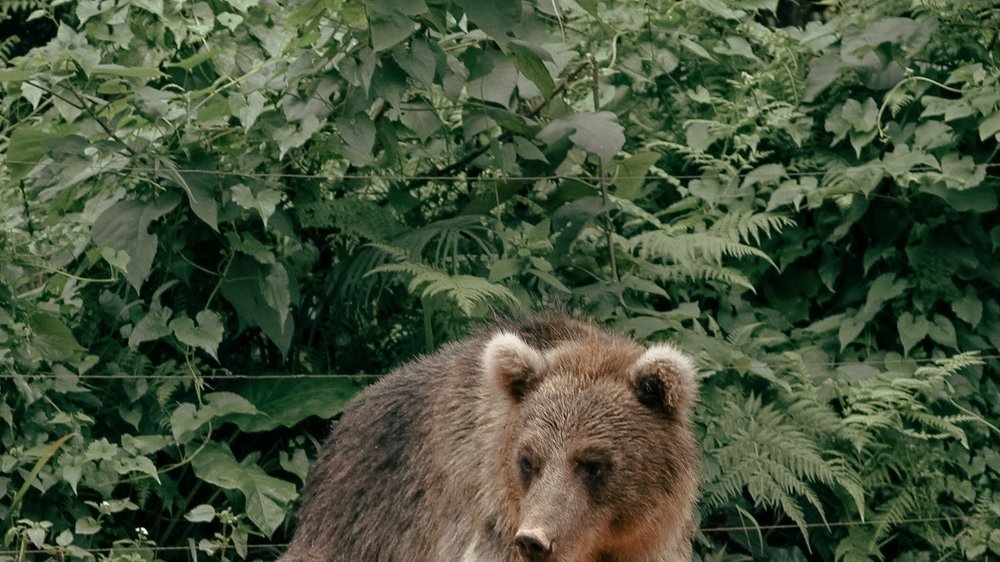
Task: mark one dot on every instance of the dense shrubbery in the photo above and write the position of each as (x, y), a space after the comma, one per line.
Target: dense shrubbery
(199, 198)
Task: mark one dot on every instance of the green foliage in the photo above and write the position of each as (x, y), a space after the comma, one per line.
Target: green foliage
(204, 205)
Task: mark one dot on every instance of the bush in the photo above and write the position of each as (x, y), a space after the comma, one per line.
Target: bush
(210, 207)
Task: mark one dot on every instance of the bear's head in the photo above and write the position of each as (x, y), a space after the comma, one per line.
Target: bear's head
(598, 457)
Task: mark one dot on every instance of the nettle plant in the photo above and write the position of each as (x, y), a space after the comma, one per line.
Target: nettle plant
(202, 198)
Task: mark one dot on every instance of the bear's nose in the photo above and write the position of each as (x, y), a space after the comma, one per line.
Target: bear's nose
(533, 545)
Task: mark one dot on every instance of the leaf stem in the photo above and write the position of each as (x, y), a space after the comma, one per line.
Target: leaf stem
(602, 181)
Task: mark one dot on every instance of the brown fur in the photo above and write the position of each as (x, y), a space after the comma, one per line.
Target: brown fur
(430, 463)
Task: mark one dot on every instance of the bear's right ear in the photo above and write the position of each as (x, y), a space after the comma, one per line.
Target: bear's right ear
(513, 365)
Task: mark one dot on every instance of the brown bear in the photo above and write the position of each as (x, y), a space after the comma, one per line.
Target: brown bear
(542, 439)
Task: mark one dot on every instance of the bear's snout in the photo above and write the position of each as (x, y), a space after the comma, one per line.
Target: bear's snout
(533, 545)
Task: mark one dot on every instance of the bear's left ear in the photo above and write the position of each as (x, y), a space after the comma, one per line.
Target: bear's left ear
(664, 379)
(513, 365)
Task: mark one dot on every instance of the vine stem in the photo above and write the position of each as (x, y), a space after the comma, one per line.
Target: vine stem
(909, 80)
(602, 181)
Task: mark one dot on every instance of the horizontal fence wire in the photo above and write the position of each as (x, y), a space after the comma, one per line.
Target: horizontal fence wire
(460, 178)
(276, 376)
(733, 529)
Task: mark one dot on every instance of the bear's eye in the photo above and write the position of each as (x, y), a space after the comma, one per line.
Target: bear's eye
(527, 468)
(593, 471)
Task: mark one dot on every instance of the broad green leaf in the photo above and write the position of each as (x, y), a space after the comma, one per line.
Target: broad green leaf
(530, 64)
(358, 133)
(912, 329)
(187, 419)
(597, 133)
(87, 526)
(498, 18)
(201, 186)
(697, 136)
(10, 75)
(229, 21)
(969, 308)
(263, 200)
(245, 289)
(290, 401)
(207, 335)
(243, 5)
(152, 326)
(718, 7)
(942, 331)
(247, 108)
(125, 227)
(201, 514)
(196, 59)
(492, 77)
(961, 172)
(630, 174)
(390, 22)
(152, 6)
(990, 126)
(981, 199)
(51, 339)
(267, 498)
(297, 463)
(24, 151)
(418, 61)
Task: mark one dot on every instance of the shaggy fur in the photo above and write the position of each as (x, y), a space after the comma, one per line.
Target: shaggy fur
(548, 436)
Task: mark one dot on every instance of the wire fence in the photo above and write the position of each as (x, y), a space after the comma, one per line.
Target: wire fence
(980, 355)
(711, 530)
(462, 178)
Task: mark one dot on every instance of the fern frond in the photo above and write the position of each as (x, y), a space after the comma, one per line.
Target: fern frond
(775, 460)
(944, 368)
(691, 247)
(467, 291)
(751, 226)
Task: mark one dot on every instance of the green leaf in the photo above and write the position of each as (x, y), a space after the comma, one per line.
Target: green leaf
(981, 199)
(207, 335)
(126, 71)
(245, 288)
(152, 326)
(51, 339)
(498, 18)
(969, 308)
(187, 419)
(358, 133)
(990, 126)
(293, 400)
(630, 174)
(719, 8)
(529, 63)
(418, 61)
(247, 108)
(264, 200)
(961, 172)
(942, 331)
(267, 498)
(87, 526)
(24, 151)
(911, 329)
(10, 75)
(201, 514)
(125, 227)
(196, 59)
(390, 22)
(152, 6)
(598, 133)
(492, 77)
